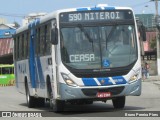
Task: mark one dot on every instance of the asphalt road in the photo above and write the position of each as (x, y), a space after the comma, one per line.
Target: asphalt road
(11, 100)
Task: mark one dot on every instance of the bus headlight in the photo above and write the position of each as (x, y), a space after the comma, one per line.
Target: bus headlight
(136, 76)
(133, 78)
(68, 80)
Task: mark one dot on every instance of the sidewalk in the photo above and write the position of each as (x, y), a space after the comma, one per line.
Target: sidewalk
(154, 79)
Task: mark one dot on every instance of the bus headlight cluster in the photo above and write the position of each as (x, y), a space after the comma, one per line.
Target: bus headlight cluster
(68, 80)
(136, 76)
(133, 78)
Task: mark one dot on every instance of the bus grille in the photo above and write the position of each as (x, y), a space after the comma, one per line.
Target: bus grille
(93, 91)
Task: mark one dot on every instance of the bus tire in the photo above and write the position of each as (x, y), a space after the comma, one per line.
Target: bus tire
(50, 94)
(55, 105)
(30, 99)
(40, 102)
(89, 102)
(58, 106)
(119, 102)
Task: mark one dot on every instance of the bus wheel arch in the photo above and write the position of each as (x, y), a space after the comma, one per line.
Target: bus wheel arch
(48, 85)
(56, 105)
(49, 91)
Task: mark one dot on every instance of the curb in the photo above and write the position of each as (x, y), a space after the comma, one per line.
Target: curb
(157, 83)
(10, 83)
(5, 85)
(152, 79)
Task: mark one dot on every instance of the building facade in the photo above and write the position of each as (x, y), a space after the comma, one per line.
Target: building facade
(6, 43)
(148, 21)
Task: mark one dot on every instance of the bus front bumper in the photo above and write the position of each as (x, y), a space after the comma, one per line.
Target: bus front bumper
(90, 92)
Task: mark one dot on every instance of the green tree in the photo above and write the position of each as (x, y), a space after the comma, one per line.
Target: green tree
(16, 24)
(153, 44)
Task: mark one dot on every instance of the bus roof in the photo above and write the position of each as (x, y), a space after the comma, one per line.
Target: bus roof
(57, 12)
(6, 65)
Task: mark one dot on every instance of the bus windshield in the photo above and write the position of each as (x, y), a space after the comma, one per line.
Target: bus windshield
(98, 47)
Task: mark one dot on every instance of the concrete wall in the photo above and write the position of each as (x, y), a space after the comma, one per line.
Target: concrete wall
(152, 66)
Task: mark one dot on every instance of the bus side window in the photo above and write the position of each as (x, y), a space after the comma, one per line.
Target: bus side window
(17, 48)
(45, 39)
(48, 40)
(42, 41)
(38, 47)
(25, 45)
(10, 70)
(27, 51)
(5, 71)
(22, 45)
(15, 39)
(13, 70)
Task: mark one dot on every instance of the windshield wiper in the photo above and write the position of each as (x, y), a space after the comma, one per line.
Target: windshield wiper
(85, 32)
(110, 33)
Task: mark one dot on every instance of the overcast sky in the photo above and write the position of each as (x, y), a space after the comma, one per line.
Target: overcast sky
(14, 10)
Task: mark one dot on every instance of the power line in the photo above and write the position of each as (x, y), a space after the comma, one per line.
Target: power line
(12, 15)
(140, 4)
(22, 15)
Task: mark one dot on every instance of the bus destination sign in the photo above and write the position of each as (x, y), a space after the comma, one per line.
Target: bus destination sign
(95, 16)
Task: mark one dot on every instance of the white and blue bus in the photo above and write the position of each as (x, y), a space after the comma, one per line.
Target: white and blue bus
(78, 56)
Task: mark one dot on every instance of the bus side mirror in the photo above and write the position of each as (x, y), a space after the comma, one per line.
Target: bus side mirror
(54, 36)
(143, 33)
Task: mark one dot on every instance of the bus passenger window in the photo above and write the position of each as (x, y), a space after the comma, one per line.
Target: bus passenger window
(48, 41)
(12, 70)
(5, 71)
(45, 39)
(42, 38)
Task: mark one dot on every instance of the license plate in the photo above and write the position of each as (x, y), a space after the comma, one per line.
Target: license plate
(103, 94)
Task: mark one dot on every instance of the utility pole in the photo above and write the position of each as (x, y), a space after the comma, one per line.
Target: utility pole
(157, 37)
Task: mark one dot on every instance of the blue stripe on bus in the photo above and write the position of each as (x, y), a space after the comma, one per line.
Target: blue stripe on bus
(37, 22)
(119, 80)
(104, 81)
(32, 62)
(109, 8)
(82, 9)
(96, 8)
(32, 71)
(40, 73)
(34, 23)
(89, 82)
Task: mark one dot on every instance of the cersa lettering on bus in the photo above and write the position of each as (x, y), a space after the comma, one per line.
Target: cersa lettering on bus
(82, 58)
(94, 16)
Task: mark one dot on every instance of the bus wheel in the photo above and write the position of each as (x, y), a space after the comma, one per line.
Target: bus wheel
(30, 99)
(40, 102)
(50, 95)
(119, 102)
(89, 102)
(58, 105)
